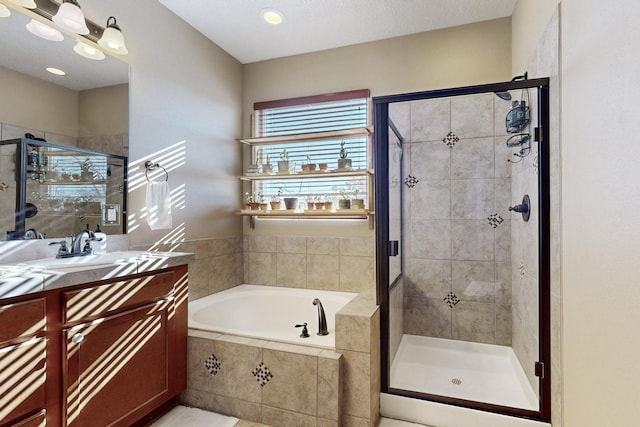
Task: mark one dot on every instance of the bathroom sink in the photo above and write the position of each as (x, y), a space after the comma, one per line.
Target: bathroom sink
(89, 261)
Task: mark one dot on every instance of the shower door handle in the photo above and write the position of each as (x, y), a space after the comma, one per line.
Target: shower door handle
(392, 247)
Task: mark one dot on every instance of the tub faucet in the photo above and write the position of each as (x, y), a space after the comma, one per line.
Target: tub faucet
(322, 320)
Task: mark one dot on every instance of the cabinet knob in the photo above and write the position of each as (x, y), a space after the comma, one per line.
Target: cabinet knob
(77, 338)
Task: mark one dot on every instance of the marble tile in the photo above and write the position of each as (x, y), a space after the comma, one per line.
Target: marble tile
(14, 132)
(292, 244)
(503, 324)
(322, 422)
(501, 108)
(430, 119)
(222, 246)
(474, 280)
(400, 114)
(323, 272)
(503, 239)
(430, 239)
(357, 273)
(474, 321)
(502, 156)
(329, 385)
(323, 245)
(472, 199)
(357, 372)
(427, 277)
(430, 200)
(353, 332)
(294, 385)
(428, 317)
(357, 246)
(249, 412)
(257, 243)
(472, 116)
(472, 240)
(224, 273)
(291, 270)
(61, 139)
(281, 418)
(262, 268)
(351, 421)
(429, 160)
(473, 158)
(503, 283)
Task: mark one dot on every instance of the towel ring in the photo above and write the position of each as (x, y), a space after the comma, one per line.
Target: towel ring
(149, 166)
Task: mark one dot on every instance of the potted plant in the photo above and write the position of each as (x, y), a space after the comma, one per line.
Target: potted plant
(356, 203)
(247, 201)
(310, 165)
(275, 201)
(86, 170)
(262, 202)
(344, 202)
(267, 167)
(254, 204)
(318, 204)
(283, 163)
(290, 203)
(328, 204)
(323, 167)
(344, 163)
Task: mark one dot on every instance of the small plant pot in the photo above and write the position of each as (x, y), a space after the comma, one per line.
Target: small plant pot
(328, 206)
(275, 206)
(344, 204)
(344, 163)
(263, 206)
(254, 206)
(312, 166)
(246, 206)
(357, 204)
(323, 166)
(305, 168)
(86, 176)
(267, 168)
(283, 166)
(318, 206)
(290, 203)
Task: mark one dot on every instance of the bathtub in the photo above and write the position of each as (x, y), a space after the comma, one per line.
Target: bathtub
(268, 313)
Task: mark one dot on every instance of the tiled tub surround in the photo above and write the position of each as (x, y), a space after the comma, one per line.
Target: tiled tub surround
(457, 225)
(291, 385)
(330, 263)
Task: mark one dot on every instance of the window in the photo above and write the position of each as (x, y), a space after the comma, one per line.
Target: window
(318, 128)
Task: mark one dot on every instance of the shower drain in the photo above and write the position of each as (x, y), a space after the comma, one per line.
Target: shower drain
(456, 381)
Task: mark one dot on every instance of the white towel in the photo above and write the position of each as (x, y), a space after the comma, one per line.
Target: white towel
(158, 205)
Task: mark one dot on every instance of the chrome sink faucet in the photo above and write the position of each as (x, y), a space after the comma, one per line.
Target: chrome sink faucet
(322, 320)
(76, 248)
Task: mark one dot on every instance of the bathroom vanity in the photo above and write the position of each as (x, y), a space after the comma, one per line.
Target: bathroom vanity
(101, 343)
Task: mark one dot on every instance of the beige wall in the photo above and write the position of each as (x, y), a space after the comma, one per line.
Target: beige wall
(32, 103)
(601, 198)
(460, 56)
(185, 101)
(103, 111)
(528, 21)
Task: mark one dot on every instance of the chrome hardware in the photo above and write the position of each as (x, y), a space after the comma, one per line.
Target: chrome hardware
(77, 338)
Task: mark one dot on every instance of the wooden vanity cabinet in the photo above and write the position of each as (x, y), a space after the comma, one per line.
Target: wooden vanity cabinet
(107, 353)
(22, 362)
(124, 348)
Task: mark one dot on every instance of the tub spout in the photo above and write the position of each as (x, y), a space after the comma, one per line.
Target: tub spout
(322, 320)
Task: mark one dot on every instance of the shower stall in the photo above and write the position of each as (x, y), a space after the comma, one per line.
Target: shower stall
(462, 229)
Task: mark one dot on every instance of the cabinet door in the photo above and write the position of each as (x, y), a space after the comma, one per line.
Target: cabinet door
(116, 368)
(22, 379)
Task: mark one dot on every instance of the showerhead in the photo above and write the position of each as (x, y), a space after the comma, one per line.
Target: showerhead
(504, 95)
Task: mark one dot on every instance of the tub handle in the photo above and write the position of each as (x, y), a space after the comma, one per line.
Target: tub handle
(305, 331)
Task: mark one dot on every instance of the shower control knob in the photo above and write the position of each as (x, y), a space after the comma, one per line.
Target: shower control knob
(524, 208)
(77, 338)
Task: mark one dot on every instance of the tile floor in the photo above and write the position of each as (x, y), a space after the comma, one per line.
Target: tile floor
(181, 416)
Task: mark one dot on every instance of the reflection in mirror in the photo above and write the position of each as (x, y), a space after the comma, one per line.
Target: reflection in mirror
(86, 108)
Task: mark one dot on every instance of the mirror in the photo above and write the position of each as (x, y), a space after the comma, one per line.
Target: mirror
(87, 108)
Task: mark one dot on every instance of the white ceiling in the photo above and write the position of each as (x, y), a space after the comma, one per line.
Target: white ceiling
(312, 25)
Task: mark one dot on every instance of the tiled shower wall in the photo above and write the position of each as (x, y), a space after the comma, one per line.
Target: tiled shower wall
(457, 228)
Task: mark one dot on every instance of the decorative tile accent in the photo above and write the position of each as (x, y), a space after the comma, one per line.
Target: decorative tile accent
(212, 364)
(522, 269)
(3, 186)
(395, 181)
(451, 139)
(495, 220)
(535, 163)
(411, 181)
(451, 299)
(262, 374)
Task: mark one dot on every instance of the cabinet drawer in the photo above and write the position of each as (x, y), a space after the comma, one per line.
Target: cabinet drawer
(22, 379)
(37, 420)
(117, 296)
(21, 320)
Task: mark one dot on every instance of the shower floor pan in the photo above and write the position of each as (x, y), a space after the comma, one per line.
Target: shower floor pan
(464, 370)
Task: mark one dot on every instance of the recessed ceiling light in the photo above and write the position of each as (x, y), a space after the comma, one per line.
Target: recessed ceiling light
(56, 71)
(272, 16)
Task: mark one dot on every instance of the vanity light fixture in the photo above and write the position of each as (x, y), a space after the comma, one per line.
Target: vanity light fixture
(272, 16)
(88, 51)
(4, 11)
(71, 18)
(44, 31)
(112, 39)
(55, 71)
(29, 4)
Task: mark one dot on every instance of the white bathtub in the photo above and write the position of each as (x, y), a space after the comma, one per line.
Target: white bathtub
(268, 313)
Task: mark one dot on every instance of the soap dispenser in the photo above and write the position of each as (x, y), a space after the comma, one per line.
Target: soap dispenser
(100, 245)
